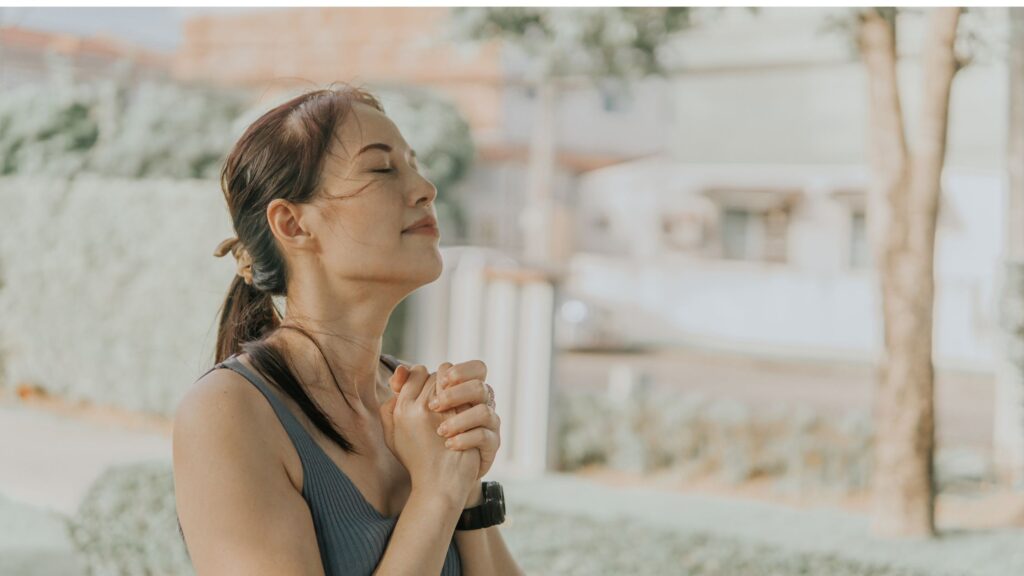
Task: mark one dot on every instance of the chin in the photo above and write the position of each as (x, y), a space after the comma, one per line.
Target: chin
(427, 268)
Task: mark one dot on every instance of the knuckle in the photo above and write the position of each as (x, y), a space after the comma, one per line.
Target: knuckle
(453, 374)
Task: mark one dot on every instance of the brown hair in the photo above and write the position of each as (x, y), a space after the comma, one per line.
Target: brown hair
(280, 155)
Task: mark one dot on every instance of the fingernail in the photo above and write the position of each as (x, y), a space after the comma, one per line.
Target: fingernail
(434, 404)
(448, 443)
(441, 430)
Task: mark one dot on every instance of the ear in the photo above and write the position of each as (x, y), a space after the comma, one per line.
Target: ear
(286, 223)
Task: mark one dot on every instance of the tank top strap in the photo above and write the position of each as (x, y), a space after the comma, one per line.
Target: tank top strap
(299, 436)
(391, 362)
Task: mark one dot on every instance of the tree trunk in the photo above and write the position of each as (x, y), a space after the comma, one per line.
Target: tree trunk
(537, 216)
(908, 187)
(1008, 432)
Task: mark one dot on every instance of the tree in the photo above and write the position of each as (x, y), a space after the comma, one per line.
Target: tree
(903, 204)
(1008, 433)
(610, 46)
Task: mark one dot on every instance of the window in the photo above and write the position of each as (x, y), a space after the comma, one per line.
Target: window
(754, 235)
(735, 231)
(753, 223)
(860, 248)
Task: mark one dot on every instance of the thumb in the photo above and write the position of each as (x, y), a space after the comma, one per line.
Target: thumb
(398, 378)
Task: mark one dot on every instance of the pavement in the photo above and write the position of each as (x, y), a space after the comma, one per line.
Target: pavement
(822, 531)
(50, 460)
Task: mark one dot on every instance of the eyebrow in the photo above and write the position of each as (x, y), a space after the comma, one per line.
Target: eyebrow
(381, 146)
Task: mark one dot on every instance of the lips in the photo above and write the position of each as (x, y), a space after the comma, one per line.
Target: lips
(424, 229)
(425, 222)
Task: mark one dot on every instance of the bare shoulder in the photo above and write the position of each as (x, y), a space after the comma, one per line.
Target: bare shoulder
(223, 407)
(240, 513)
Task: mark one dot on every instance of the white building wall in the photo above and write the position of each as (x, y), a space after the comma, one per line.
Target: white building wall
(775, 100)
(812, 305)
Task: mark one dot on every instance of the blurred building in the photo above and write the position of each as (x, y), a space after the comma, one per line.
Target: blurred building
(722, 206)
(31, 56)
(749, 232)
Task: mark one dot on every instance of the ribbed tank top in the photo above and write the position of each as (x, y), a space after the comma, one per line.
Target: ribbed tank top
(352, 535)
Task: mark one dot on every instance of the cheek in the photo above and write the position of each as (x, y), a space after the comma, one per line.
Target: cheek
(368, 220)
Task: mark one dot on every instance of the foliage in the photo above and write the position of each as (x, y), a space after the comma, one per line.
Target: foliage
(599, 42)
(127, 523)
(158, 129)
(111, 127)
(695, 436)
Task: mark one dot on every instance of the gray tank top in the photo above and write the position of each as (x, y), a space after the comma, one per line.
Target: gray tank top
(350, 532)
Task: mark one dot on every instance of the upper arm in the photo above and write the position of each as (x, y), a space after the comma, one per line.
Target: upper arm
(239, 512)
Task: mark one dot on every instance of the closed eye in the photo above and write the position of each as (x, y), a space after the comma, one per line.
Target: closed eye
(383, 170)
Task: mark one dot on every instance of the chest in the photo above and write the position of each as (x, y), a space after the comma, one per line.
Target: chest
(378, 476)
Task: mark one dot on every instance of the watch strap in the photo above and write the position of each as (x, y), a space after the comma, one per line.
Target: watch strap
(488, 513)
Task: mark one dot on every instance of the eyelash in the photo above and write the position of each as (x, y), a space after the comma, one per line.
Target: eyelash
(389, 170)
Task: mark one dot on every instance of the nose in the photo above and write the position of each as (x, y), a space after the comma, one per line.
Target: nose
(424, 191)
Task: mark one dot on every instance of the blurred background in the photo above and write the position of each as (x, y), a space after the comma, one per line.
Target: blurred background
(727, 267)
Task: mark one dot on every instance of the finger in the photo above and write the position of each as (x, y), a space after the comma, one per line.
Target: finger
(480, 415)
(414, 384)
(481, 438)
(398, 378)
(428, 391)
(442, 374)
(463, 371)
(471, 392)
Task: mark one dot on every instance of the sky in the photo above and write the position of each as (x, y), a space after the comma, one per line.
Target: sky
(156, 28)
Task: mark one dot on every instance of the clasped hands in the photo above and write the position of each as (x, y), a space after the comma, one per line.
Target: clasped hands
(463, 387)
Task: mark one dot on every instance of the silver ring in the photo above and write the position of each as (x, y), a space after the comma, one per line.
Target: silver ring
(490, 395)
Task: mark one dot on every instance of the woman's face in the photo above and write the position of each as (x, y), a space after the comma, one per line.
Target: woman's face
(371, 189)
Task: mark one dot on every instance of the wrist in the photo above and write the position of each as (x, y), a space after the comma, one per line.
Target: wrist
(446, 501)
(476, 495)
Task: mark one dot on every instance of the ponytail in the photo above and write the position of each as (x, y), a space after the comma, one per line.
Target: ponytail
(248, 315)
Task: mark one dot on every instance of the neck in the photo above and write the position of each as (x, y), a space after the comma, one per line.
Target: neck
(348, 325)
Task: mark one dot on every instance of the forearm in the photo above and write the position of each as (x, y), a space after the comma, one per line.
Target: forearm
(422, 535)
(483, 551)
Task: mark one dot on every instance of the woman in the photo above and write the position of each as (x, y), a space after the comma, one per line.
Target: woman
(305, 450)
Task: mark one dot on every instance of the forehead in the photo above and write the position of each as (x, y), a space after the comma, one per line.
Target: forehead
(364, 125)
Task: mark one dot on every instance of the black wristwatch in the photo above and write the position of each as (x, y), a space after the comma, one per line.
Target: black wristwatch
(488, 513)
